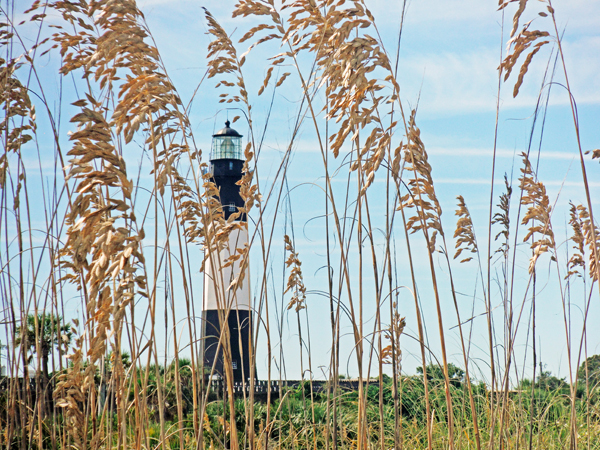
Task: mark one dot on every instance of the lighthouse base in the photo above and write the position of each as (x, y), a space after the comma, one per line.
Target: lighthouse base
(240, 332)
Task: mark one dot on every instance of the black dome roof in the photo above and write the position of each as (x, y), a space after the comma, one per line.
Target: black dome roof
(227, 131)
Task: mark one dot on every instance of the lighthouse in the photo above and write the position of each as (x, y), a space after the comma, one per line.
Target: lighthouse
(222, 305)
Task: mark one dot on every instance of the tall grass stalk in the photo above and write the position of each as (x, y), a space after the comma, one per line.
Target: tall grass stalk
(106, 235)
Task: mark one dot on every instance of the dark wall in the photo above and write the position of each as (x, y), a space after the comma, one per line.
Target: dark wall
(226, 173)
(240, 326)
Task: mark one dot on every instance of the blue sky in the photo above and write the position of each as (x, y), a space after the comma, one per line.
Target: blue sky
(449, 56)
(448, 63)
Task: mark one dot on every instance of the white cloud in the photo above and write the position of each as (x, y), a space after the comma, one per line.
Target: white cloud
(449, 56)
(486, 182)
(580, 15)
(466, 80)
(305, 146)
(500, 153)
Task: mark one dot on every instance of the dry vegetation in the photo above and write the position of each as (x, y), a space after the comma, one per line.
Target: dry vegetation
(100, 382)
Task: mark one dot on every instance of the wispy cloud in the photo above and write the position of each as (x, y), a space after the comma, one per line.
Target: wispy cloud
(500, 153)
(466, 81)
(306, 146)
(580, 15)
(449, 58)
(483, 181)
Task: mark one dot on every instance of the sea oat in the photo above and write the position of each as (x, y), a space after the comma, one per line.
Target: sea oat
(503, 218)
(421, 193)
(464, 231)
(577, 260)
(18, 124)
(392, 352)
(586, 228)
(538, 213)
(295, 282)
(519, 44)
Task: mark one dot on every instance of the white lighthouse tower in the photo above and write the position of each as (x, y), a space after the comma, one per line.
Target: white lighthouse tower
(223, 306)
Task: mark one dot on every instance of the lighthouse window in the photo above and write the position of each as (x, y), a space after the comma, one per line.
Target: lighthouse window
(230, 165)
(232, 207)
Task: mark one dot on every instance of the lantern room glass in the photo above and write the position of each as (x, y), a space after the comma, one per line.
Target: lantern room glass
(226, 147)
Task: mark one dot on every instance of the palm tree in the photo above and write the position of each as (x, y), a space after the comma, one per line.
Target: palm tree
(40, 335)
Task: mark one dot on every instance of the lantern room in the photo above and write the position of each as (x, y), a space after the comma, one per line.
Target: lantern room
(226, 144)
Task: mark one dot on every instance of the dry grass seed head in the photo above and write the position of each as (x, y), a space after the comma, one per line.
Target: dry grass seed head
(421, 193)
(503, 218)
(392, 351)
(538, 213)
(106, 254)
(521, 43)
(346, 57)
(70, 392)
(593, 246)
(464, 231)
(18, 123)
(295, 282)
(101, 242)
(577, 260)
(222, 59)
